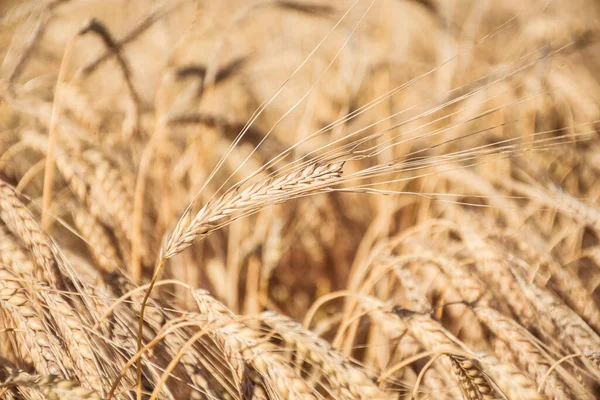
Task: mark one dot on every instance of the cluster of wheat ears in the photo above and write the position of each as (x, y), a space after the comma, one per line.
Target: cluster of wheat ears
(299, 199)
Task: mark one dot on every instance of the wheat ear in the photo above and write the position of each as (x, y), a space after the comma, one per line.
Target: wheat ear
(348, 380)
(236, 202)
(19, 220)
(282, 381)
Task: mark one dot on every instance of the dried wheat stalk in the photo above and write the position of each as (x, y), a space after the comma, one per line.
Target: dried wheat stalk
(38, 342)
(97, 238)
(474, 383)
(346, 379)
(528, 355)
(311, 179)
(73, 331)
(281, 380)
(49, 386)
(19, 220)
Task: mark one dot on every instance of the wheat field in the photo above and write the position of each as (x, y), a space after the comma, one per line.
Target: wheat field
(299, 199)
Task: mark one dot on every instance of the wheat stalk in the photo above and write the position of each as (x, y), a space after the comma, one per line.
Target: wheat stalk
(38, 342)
(281, 380)
(49, 386)
(347, 380)
(311, 179)
(20, 221)
(528, 355)
(473, 382)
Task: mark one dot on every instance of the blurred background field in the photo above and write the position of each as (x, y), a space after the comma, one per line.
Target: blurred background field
(434, 230)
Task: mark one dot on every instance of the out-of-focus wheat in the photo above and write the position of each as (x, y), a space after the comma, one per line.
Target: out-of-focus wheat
(427, 203)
